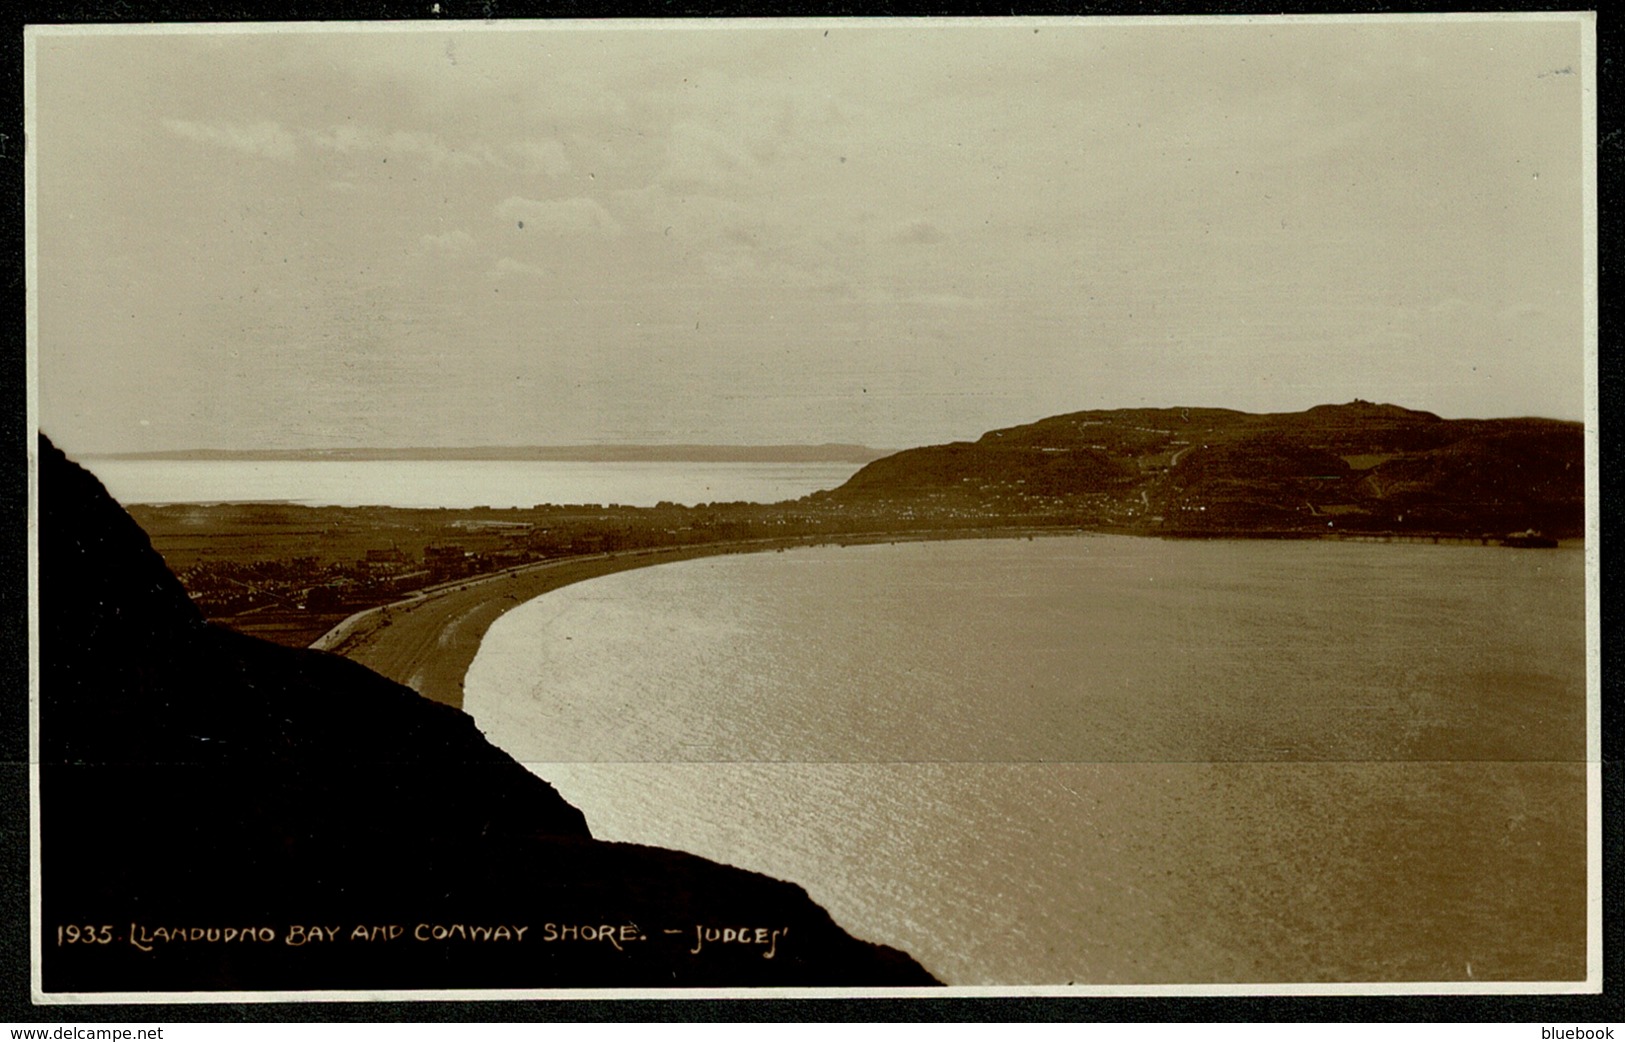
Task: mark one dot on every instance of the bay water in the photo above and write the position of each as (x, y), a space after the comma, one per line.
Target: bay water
(1094, 759)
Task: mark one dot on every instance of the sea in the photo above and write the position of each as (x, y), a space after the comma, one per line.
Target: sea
(1094, 759)
(461, 483)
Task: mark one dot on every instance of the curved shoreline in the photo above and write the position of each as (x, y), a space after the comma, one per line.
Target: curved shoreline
(427, 641)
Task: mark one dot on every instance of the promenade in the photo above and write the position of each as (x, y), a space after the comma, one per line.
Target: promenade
(428, 640)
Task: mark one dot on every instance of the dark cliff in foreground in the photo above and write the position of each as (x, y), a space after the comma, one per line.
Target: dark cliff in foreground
(1361, 466)
(217, 813)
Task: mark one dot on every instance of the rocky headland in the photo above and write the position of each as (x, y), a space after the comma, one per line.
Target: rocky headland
(218, 813)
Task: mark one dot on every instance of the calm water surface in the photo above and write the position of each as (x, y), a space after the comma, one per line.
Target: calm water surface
(1094, 759)
(461, 483)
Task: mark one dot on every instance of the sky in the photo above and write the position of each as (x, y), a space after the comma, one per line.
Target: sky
(889, 233)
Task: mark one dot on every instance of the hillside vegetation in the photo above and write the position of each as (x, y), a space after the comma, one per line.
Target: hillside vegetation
(1359, 466)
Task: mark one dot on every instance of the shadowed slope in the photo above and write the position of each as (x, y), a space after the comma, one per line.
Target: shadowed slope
(196, 780)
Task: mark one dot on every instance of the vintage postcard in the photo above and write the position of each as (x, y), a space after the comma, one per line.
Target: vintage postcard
(1030, 506)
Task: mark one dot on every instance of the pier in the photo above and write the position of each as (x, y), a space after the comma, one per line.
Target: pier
(1408, 537)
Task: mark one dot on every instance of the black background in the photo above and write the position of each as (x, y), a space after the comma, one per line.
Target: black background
(15, 1003)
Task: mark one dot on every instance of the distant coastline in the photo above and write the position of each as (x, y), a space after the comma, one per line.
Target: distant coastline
(1361, 470)
(829, 452)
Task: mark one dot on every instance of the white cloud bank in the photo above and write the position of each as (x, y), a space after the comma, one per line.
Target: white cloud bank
(579, 216)
(267, 138)
(454, 241)
(507, 267)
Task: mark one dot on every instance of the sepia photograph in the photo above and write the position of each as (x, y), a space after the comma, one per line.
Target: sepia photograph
(841, 506)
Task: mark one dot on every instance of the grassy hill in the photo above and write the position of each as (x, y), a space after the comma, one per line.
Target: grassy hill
(1361, 466)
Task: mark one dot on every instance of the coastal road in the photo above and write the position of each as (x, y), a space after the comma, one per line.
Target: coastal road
(427, 641)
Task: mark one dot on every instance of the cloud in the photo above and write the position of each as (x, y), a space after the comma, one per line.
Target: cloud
(507, 267)
(564, 217)
(738, 266)
(730, 266)
(350, 138)
(1516, 312)
(939, 300)
(918, 233)
(341, 139)
(546, 156)
(266, 138)
(454, 241)
(270, 139)
(700, 157)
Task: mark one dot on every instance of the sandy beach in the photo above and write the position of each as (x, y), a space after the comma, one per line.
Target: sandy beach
(427, 641)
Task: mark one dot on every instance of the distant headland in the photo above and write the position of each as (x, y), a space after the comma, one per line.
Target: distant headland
(1360, 466)
(826, 453)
